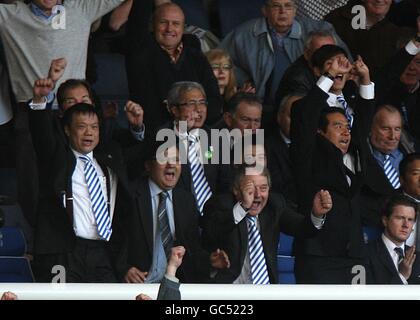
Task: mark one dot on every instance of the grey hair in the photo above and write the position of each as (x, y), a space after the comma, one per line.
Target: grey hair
(178, 89)
(286, 98)
(320, 34)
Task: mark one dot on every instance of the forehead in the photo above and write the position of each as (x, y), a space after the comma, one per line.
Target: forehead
(162, 156)
(336, 117)
(405, 211)
(281, 1)
(192, 94)
(89, 118)
(247, 109)
(385, 117)
(170, 12)
(78, 90)
(414, 165)
(259, 180)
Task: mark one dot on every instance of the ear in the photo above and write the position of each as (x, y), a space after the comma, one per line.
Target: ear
(174, 112)
(317, 72)
(236, 193)
(67, 131)
(385, 221)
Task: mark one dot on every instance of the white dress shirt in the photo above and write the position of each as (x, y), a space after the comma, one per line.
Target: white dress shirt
(390, 246)
(84, 222)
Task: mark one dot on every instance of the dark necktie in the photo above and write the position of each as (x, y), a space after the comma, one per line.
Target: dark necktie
(165, 230)
(400, 253)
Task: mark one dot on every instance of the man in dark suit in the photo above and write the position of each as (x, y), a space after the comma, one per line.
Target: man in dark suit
(84, 191)
(326, 155)
(156, 61)
(163, 216)
(230, 222)
(389, 260)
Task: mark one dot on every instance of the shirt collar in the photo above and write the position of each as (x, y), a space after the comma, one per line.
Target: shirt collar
(155, 190)
(411, 197)
(394, 154)
(285, 139)
(37, 11)
(176, 54)
(391, 245)
(78, 154)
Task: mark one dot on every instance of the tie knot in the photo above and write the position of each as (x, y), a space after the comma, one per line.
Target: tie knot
(387, 156)
(251, 219)
(85, 159)
(400, 253)
(163, 195)
(192, 138)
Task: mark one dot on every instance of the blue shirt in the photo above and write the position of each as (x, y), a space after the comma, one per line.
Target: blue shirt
(37, 11)
(158, 267)
(395, 157)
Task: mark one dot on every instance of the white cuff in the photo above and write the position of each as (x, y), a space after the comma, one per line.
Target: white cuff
(367, 92)
(238, 213)
(38, 106)
(403, 279)
(173, 279)
(325, 84)
(412, 49)
(318, 222)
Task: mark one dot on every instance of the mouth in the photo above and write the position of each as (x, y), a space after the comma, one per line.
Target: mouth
(344, 142)
(87, 142)
(169, 175)
(339, 77)
(256, 204)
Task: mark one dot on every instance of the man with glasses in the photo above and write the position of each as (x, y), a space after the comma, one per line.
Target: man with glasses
(271, 44)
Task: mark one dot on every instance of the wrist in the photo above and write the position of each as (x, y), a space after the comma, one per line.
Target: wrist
(246, 208)
(38, 100)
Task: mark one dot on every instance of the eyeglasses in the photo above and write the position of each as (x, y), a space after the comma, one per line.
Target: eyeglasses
(286, 7)
(219, 66)
(193, 103)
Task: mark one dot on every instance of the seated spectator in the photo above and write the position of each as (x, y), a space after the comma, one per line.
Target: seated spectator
(390, 260)
(299, 77)
(263, 48)
(156, 61)
(222, 67)
(369, 40)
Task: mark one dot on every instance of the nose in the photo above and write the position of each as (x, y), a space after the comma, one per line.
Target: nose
(257, 193)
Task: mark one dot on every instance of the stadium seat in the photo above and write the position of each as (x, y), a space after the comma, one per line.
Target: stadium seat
(371, 233)
(285, 269)
(234, 12)
(14, 267)
(195, 13)
(112, 85)
(285, 245)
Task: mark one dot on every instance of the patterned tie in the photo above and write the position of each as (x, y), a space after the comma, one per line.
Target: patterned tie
(97, 199)
(391, 173)
(165, 231)
(202, 189)
(259, 271)
(400, 253)
(343, 102)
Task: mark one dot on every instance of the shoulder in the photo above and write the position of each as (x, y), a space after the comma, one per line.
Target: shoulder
(308, 24)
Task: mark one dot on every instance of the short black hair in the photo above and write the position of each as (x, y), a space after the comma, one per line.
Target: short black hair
(398, 200)
(325, 53)
(71, 84)
(323, 117)
(83, 108)
(250, 98)
(406, 161)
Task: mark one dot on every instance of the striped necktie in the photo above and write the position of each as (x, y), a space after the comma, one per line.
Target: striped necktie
(97, 199)
(165, 230)
(343, 102)
(259, 271)
(391, 173)
(400, 254)
(202, 189)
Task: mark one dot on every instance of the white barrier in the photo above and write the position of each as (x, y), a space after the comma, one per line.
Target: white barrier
(75, 291)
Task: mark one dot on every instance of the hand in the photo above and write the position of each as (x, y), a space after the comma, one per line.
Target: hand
(134, 113)
(362, 71)
(247, 188)
(57, 68)
(143, 296)
(134, 275)
(42, 87)
(322, 203)
(406, 265)
(175, 260)
(219, 259)
(340, 65)
(9, 296)
(247, 87)
(110, 110)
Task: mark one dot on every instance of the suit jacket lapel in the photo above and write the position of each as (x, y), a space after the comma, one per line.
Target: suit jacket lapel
(144, 206)
(385, 257)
